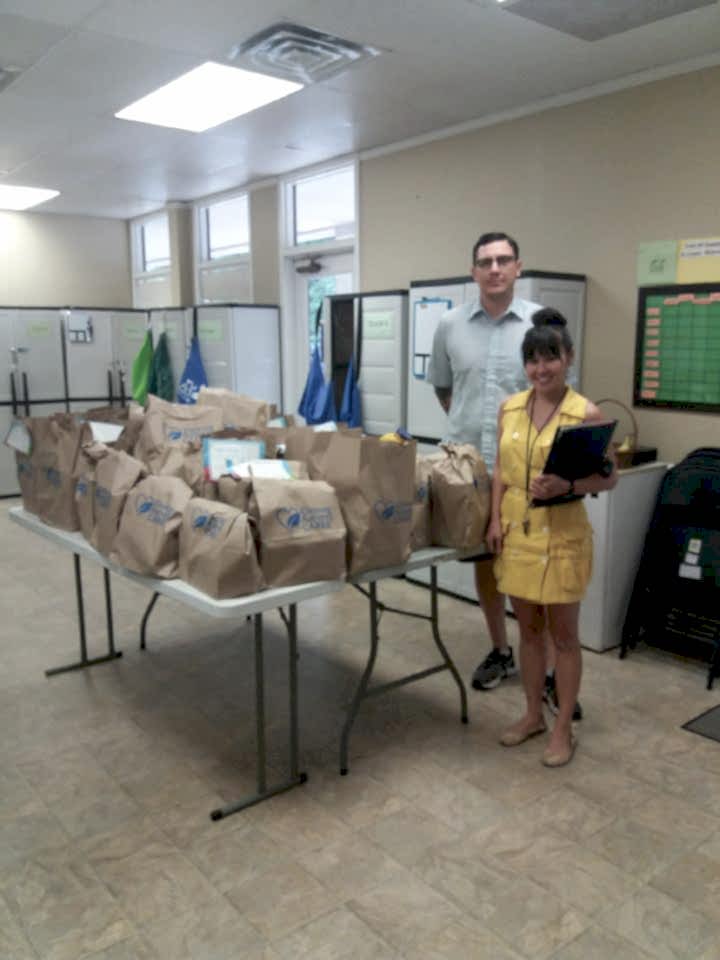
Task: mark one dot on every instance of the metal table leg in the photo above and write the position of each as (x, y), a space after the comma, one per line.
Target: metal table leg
(364, 690)
(144, 621)
(296, 778)
(84, 660)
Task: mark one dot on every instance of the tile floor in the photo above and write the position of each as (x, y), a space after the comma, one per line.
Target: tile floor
(439, 843)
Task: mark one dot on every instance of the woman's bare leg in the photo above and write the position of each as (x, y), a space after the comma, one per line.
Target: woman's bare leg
(531, 621)
(563, 619)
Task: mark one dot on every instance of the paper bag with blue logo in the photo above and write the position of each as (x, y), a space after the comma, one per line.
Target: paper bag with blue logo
(422, 515)
(55, 446)
(88, 457)
(301, 531)
(115, 475)
(239, 411)
(375, 484)
(130, 418)
(148, 539)
(460, 492)
(167, 424)
(217, 550)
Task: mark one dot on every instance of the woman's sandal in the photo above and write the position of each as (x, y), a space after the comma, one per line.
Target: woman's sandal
(559, 758)
(514, 736)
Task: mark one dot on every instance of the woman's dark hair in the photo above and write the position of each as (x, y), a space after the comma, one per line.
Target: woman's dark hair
(547, 337)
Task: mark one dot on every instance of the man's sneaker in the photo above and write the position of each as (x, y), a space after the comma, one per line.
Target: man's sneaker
(551, 699)
(495, 667)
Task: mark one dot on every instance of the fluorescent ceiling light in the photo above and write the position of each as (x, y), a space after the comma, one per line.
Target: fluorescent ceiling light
(22, 198)
(206, 96)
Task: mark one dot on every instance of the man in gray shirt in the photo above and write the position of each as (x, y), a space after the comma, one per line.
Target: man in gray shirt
(475, 364)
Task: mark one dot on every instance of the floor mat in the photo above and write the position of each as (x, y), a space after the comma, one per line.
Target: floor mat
(706, 724)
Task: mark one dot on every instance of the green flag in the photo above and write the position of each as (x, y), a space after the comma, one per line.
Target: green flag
(161, 381)
(141, 367)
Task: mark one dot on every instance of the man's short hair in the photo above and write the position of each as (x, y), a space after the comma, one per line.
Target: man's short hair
(486, 238)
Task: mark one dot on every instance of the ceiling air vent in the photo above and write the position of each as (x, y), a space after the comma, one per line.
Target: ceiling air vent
(7, 75)
(298, 53)
(597, 19)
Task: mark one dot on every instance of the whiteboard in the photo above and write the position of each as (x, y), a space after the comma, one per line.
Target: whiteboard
(426, 317)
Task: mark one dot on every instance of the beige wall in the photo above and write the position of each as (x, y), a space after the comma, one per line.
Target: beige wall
(579, 187)
(48, 259)
(265, 244)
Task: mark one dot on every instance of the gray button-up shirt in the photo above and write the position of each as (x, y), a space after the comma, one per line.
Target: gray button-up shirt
(480, 360)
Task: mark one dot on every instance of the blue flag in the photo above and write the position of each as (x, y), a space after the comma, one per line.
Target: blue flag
(350, 408)
(193, 376)
(315, 381)
(317, 403)
(323, 407)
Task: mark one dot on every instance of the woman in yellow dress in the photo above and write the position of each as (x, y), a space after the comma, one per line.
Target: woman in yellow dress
(543, 554)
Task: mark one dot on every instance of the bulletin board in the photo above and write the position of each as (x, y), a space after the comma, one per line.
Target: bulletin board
(677, 353)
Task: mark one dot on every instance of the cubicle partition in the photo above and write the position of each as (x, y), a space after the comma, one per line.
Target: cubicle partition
(71, 358)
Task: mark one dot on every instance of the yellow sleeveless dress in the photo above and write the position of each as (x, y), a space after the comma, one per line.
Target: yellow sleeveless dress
(552, 561)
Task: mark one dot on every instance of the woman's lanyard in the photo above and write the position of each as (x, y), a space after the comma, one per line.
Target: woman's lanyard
(530, 449)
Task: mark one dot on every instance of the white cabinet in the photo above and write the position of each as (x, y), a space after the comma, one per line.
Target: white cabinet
(620, 519)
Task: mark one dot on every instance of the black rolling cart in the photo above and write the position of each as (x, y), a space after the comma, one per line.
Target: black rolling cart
(676, 597)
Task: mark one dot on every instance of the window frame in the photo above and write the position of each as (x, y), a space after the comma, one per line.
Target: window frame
(201, 248)
(337, 245)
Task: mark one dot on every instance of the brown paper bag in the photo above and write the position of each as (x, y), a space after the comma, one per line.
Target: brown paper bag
(55, 446)
(167, 424)
(148, 539)
(130, 417)
(460, 491)
(238, 410)
(234, 491)
(115, 476)
(421, 535)
(301, 531)
(84, 474)
(375, 484)
(26, 479)
(217, 550)
(183, 460)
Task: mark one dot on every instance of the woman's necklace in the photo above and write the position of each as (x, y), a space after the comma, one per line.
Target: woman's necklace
(530, 449)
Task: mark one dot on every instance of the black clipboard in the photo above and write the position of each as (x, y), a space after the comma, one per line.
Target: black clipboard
(577, 452)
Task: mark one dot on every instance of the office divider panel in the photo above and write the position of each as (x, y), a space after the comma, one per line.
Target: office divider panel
(382, 339)
(32, 374)
(240, 348)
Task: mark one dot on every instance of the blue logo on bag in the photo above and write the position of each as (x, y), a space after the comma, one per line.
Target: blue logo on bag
(176, 434)
(208, 523)
(153, 509)
(53, 477)
(81, 488)
(421, 494)
(304, 518)
(102, 497)
(390, 512)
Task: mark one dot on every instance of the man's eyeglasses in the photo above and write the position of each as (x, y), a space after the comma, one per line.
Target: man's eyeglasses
(486, 262)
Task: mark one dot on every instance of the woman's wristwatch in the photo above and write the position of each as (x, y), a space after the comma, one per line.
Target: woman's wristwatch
(571, 488)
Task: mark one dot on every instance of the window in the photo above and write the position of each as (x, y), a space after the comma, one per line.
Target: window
(155, 244)
(222, 243)
(227, 228)
(324, 207)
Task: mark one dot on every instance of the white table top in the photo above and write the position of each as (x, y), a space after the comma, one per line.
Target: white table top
(237, 606)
